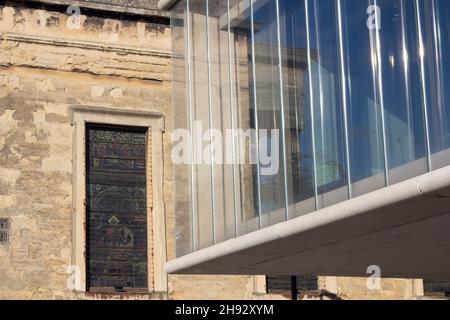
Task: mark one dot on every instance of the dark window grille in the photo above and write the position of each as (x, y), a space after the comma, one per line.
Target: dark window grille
(116, 210)
(438, 287)
(4, 230)
(283, 284)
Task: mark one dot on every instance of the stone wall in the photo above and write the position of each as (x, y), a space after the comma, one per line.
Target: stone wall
(143, 4)
(140, 7)
(44, 68)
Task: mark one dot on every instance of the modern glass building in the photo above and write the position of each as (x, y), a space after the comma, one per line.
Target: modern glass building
(293, 110)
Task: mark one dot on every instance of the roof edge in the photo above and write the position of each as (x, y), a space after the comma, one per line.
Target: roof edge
(95, 6)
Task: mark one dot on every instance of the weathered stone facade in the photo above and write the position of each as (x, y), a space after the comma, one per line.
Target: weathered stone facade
(47, 66)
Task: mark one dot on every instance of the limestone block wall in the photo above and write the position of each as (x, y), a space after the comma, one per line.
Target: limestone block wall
(45, 67)
(144, 7)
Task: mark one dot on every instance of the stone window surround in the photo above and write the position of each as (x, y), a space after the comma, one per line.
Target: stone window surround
(154, 121)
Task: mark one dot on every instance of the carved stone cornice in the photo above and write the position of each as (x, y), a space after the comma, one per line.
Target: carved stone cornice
(83, 44)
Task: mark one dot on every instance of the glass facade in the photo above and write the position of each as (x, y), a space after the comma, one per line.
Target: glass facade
(284, 107)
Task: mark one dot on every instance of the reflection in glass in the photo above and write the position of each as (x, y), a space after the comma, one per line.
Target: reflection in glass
(331, 166)
(363, 99)
(221, 120)
(355, 107)
(238, 21)
(434, 23)
(199, 81)
(299, 151)
(183, 189)
(402, 98)
(268, 110)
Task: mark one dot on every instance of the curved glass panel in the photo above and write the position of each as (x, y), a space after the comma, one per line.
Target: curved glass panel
(202, 151)
(268, 112)
(434, 32)
(366, 145)
(325, 90)
(242, 102)
(401, 94)
(299, 150)
(221, 120)
(183, 171)
(310, 102)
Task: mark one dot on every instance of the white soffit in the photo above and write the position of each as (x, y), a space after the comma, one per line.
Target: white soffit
(166, 4)
(404, 229)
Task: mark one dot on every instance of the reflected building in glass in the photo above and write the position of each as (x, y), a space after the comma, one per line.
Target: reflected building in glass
(346, 97)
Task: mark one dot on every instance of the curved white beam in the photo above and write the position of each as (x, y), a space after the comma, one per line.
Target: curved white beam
(376, 204)
(166, 4)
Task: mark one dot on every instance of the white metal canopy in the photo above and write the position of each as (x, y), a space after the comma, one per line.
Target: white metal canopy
(403, 229)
